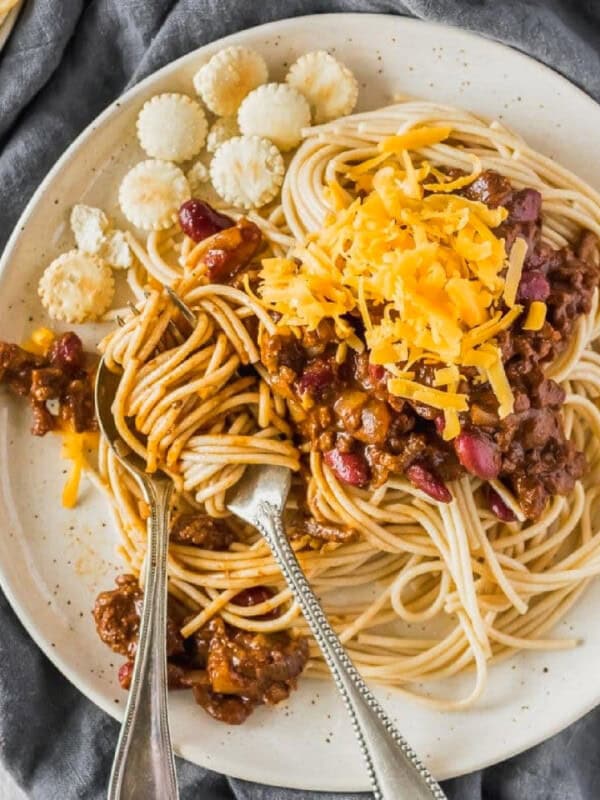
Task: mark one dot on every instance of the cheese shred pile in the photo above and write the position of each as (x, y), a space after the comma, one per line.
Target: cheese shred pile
(421, 266)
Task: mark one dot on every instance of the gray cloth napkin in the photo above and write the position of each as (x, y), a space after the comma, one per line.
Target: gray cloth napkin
(66, 60)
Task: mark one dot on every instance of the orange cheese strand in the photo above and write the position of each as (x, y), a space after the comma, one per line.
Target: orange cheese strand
(514, 271)
(414, 139)
(536, 316)
(74, 448)
(412, 390)
(39, 342)
(457, 183)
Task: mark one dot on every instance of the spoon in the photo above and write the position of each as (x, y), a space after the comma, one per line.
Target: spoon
(395, 770)
(144, 765)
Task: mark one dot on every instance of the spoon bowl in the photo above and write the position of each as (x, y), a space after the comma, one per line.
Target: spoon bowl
(107, 384)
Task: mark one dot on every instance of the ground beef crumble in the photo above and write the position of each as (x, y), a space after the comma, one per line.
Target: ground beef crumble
(61, 375)
(230, 672)
(202, 531)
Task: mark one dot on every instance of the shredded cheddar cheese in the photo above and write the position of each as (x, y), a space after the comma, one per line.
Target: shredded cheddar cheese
(500, 385)
(422, 267)
(451, 424)
(74, 448)
(536, 316)
(514, 271)
(413, 139)
(425, 394)
(39, 342)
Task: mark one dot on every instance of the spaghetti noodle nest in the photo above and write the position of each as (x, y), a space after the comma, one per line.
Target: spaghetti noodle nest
(197, 402)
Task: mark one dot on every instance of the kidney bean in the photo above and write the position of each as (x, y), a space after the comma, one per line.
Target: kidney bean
(232, 249)
(125, 674)
(427, 481)
(440, 423)
(497, 505)
(377, 373)
(525, 206)
(66, 352)
(349, 467)
(533, 286)
(253, 596)
(544, 258)
(198, 220)
(316, 377)
(478, 454)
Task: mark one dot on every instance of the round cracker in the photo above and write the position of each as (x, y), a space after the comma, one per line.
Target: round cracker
(247, 171)
(76, 287)
(152, 192)
(228, 77)
(172, 127)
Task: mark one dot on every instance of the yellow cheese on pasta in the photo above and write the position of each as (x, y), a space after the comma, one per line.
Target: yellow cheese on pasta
(412, 390)
(414, 139)
(451, 424)
(500, 385)
(515, 270)
(74, 448)
(423, 269)
(536, 316)
(39, 342)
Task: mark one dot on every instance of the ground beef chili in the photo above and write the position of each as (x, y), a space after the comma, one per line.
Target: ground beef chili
(304, 526)
(61, 375)
(230, 671)
(365, 434)
(202, 531)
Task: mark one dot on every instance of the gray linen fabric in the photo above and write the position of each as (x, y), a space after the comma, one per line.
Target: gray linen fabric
(66, 60)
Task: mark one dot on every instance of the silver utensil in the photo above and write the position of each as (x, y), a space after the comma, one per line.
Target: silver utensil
(395, 770)
(144, 765)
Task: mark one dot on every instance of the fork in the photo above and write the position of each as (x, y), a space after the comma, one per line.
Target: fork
(395, 770)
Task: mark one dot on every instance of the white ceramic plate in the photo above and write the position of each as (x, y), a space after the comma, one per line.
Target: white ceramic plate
(53, 562)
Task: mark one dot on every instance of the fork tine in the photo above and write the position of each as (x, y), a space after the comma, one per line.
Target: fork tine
(187, 312)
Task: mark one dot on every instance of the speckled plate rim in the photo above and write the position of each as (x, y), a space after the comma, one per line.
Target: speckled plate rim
(220, 763)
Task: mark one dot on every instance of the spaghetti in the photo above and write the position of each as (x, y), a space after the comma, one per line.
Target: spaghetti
(482, 587)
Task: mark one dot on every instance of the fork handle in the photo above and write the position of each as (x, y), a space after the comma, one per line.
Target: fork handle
(395, 770)
(144, 766)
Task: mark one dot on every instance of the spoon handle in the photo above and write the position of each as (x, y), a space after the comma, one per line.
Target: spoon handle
(395, 770)
(144, 766)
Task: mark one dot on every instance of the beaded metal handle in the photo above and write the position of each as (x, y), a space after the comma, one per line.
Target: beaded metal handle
(144, 767)
(395, 770)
